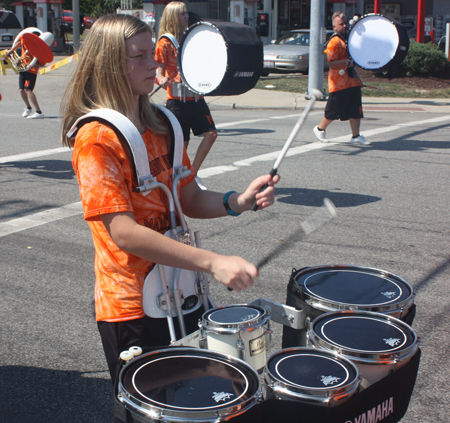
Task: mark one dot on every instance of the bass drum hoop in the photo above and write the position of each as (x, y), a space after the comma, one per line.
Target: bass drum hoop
(397, 56)
(216, 327)
(329, 305)
(325, 395)
(399, 355)
(168, 414)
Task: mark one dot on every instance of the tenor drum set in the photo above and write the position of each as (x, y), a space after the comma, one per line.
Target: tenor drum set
(347, 352)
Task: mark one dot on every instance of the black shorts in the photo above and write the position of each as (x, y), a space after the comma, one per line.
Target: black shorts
(344, 105)
(193, 115)
(27, 80)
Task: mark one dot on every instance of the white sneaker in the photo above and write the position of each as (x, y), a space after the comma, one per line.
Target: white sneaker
(320, 135)
(36, 116)
(26, 112)
(200, 183)
(360, 139)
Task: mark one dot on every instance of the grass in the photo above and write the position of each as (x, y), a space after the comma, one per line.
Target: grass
(299, 84)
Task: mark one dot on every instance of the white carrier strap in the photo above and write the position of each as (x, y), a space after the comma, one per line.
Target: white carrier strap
(171, 38)
(135, 141)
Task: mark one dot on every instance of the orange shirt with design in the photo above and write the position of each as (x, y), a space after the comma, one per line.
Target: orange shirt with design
(337, 50)
(106, 180)
(167, 54)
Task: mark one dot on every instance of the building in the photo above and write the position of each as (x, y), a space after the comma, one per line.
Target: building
(284, 15)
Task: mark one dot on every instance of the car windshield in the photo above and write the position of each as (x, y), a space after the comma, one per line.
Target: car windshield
(294, 38)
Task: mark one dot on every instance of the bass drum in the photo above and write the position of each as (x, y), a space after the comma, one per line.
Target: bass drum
(220, 58)
(376, 42)
(187, 385)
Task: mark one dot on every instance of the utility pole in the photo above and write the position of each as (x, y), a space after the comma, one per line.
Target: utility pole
(76, 24)
(317, 39)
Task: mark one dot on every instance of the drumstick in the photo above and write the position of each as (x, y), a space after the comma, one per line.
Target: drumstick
(321, 216)
(315, 94)
(155, 91)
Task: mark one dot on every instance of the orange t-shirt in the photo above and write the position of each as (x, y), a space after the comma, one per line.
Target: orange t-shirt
(337, 50)
(167, 54)
(106, 180)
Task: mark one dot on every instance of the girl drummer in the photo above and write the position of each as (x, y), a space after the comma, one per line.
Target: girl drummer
(191, 111)
(116, 69)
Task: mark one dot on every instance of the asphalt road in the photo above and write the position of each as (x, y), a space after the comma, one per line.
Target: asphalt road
(392, 197)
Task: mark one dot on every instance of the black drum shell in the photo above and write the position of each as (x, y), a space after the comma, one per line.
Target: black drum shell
(402, 48)
(314, 305)
(245, 57)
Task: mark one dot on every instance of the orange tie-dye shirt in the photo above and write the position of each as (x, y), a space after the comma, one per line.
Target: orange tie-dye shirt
(167, 54)
(337, 50)
(106, 181)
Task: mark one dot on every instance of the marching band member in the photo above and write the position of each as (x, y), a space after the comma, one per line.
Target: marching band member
(116, 69)
(191, 112)
(27, 83)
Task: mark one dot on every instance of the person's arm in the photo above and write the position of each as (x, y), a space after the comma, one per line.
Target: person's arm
(200, 204)
(163, 80)
(232, 271)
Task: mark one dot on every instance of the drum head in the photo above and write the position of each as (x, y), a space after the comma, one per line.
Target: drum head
(353, 287)
(373, 42)
(177, 381)
(233, 315)
(363, 334)
(203, 58)
(309, 369)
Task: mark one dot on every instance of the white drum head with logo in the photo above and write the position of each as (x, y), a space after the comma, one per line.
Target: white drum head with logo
(373, 42)
(204, 57)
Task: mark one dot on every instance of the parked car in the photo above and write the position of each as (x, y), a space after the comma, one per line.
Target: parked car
(9, 28)
(290, 53)
(67, 21)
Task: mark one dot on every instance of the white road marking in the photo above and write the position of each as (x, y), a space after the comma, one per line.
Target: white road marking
(47, 216)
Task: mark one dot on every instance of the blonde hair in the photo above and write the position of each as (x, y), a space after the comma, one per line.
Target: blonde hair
(170, 20)
(101, 80)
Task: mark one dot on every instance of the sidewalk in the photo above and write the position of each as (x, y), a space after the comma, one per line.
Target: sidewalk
(269, 99)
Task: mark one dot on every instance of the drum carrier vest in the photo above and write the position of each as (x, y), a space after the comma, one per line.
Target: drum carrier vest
(167, 291)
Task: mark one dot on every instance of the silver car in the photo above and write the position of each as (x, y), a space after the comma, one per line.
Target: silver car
(9, 28)
(290, 53)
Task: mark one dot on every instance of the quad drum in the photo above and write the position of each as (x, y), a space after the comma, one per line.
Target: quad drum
(220, 58)
(310, 375)
(376, 42)
(322, 289)
(242, 331)
(378, 344)
(187, 385)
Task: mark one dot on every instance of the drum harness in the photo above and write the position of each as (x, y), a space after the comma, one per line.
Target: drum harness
(350, 71)
(169, 296)
(179, 89)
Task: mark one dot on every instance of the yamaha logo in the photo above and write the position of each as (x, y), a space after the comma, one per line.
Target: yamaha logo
(204, 84)
(373, 62)
(376, 414)
(243, 74)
